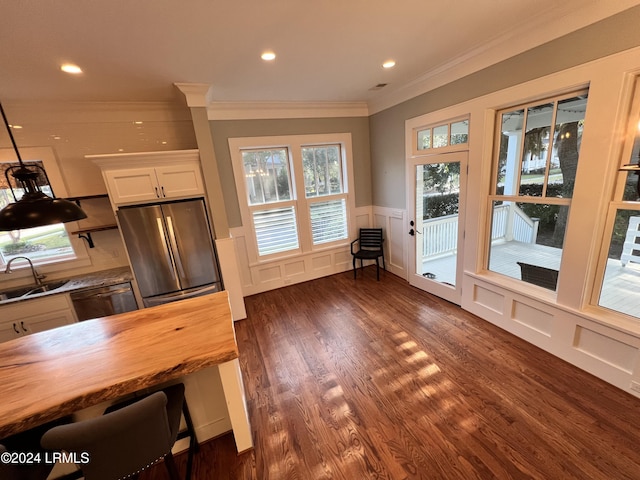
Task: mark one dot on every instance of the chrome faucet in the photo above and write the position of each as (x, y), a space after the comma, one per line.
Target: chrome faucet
(37, 277)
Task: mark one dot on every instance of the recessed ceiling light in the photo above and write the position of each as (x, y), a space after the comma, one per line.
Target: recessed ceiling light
(71, 68)
(268, 56)
(17, 127)
(389, 64)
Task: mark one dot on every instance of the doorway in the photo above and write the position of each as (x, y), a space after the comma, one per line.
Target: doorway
(436, 223)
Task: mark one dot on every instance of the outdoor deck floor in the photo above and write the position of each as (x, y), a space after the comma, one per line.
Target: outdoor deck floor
(621, 284)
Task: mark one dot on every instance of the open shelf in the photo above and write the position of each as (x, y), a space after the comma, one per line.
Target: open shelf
(85, 232)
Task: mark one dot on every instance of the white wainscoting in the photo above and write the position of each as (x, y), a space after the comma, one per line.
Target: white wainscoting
(264, 276)
(394, 223)
(606, 352)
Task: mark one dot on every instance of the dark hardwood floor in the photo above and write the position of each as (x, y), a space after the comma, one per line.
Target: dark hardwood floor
(362, 379)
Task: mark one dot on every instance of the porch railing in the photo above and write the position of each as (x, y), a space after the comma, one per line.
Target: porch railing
(439, 235)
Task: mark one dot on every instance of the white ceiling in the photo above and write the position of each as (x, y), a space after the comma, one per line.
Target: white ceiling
(327, 50)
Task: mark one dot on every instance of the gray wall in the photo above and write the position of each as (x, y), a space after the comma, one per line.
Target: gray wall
(615, 34)
(222, 130)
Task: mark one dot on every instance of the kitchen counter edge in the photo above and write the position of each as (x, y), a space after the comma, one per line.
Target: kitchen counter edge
(86, 281)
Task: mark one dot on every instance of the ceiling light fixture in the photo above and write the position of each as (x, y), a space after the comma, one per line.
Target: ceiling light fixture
(389, 64)
(71, 68)
(35, 208)
(268, 56)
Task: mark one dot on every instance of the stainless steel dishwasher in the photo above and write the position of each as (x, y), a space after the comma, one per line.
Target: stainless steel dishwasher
(103, 301)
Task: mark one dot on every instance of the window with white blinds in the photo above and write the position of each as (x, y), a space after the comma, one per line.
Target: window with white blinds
(328, 221)
(293, 191)
(276, 230)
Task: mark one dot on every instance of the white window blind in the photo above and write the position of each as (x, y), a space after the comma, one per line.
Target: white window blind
(328, 221)
(295, 193)
(276, 230)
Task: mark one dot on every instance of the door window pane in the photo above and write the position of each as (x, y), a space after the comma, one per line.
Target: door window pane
(440, 136)
(459, 132)
(438, 201)
(424, 139)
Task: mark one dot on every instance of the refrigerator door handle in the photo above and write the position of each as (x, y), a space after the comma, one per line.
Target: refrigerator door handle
(182, 295)
(163, 238)
(173, 241)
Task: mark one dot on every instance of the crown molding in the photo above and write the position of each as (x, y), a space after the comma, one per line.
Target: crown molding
(277, 110)
(96, 112)
(547, 27)
(196, 94)
(137, 158)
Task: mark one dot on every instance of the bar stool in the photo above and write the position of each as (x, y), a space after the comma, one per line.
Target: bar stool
(188, 432)
(126, 441)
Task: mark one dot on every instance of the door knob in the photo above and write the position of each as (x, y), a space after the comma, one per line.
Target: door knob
(412, 232)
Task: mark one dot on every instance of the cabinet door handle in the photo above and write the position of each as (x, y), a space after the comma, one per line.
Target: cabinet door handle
(15, 328)
(163, 194)
(24, 329)
(157, 193)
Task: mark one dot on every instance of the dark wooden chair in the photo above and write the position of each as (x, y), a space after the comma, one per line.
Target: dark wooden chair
(541, 276)
(370, 246)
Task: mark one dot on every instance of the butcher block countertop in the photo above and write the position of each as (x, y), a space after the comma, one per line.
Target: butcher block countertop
(54, 373)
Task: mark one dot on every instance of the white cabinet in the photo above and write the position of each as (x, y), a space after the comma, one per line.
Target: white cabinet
(149, 177)
(35, 315)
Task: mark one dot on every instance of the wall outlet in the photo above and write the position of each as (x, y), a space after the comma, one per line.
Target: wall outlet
(635, 386)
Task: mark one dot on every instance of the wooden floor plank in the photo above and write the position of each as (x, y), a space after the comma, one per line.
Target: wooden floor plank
(359, 379)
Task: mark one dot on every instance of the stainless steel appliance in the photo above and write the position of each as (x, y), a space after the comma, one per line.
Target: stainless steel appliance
(103, 301)
(171, 250)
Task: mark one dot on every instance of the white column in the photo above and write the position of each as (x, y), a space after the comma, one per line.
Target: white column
(236, 404)
(511, 172)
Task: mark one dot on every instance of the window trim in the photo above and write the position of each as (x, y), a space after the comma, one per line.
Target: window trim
(294, 144)
(496, 143)
(493, 196)
(616, 203)
(456, 147)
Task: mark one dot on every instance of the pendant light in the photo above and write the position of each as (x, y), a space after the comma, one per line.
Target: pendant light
(35, 208)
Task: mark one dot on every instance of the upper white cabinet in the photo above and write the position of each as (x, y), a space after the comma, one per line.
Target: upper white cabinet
(147, 177)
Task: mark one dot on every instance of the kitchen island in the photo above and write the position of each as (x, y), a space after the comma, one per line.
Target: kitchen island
(55, 373)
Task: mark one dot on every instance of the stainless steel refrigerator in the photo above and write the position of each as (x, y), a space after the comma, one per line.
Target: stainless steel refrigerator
(171, 250)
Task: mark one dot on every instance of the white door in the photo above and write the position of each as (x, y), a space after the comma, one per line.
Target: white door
(436, 222)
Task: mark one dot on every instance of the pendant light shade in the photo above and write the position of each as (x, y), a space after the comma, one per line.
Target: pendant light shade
(35, 208)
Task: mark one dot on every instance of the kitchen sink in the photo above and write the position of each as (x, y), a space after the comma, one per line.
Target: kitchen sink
(31, 290)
